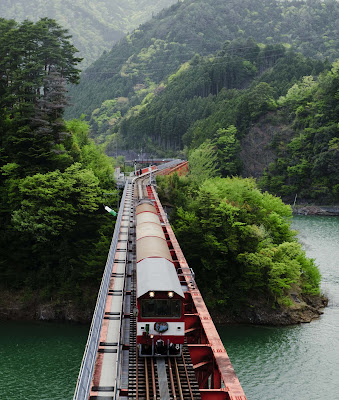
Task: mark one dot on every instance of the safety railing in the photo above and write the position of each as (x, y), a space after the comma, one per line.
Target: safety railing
(169, 164)
(82, 389)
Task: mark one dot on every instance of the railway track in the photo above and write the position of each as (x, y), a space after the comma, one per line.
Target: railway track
(164, 379)
(170, 378)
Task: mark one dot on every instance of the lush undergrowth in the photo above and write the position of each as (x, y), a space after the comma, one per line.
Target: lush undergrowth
(54, 232)
(239, 242)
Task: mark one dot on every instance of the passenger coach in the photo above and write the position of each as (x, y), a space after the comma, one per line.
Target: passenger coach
(160, 298)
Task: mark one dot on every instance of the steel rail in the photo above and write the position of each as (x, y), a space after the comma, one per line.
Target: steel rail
(153, 380)
(82, 389)
(137, 375)
(178, 379)
(122, 329)
(187, 377)
(146, 379)
(171, 379)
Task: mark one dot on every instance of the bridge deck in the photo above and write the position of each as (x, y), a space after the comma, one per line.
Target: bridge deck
(106, 367)
(110, 367)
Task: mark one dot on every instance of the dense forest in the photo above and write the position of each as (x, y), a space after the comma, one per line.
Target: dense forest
(95, 25)
(54, 234)
(264, 109)
(140, 61)
(236, 98)
(230, 227)
(307, 165)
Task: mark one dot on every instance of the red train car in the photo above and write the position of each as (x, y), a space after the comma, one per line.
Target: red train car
(160, 298)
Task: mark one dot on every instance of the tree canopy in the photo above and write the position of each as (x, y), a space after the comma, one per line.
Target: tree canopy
(239, 242)
(54, 233)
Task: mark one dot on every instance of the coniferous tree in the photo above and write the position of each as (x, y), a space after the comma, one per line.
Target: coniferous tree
(36, 59)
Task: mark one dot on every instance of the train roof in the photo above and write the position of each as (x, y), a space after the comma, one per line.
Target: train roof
(157, 274)
(152, 246)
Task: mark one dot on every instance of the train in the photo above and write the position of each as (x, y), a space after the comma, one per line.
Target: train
(160, 298)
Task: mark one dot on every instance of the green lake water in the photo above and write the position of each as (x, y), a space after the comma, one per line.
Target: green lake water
(298, 362)
(40, 361)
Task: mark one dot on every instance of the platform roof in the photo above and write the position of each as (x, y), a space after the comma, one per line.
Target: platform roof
(157, 274)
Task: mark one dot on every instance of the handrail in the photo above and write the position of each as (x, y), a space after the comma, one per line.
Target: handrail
(82, 389)
(119, 346)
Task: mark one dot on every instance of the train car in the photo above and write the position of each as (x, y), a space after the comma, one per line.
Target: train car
(160, 298)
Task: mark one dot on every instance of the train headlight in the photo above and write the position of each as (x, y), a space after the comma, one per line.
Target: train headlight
(170, 294)
(151, 294)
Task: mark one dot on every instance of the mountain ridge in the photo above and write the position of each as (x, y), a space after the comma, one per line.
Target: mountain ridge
(95, 26)
(157, 48)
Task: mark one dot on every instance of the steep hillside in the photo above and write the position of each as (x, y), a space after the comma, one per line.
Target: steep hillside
(95, 25)
(141, 60)
(307, 163)
(232, 87)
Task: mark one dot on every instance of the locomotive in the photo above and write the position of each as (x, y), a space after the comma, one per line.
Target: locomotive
(160, 298)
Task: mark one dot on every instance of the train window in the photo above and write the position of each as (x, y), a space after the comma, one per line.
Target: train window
(160, 308)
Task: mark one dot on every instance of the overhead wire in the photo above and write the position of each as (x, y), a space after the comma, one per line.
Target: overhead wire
(189, 55)
(303, 39)
(149, 69)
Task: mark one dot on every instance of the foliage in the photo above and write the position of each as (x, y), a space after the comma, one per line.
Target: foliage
(52, 174)
(53, 202)
(89, 154)
(208, 94)
(228, 226)
(95, 25)
(307, 165)
(228, 149)
(158, 48)
(203, 162)
(36, 61)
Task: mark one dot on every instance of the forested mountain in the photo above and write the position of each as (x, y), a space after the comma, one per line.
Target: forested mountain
(94, 24)
(306, 162)
(141, 60)
(52, 175)
(230, 99)
(258, 107)
(232, 87)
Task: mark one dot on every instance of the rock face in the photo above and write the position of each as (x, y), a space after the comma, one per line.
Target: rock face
(303, 310)
(316, 210)
(256, 150)
(15, 308)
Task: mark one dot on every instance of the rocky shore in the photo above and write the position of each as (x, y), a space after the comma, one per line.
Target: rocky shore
(315, 210)
(16, 307)
(304, 309)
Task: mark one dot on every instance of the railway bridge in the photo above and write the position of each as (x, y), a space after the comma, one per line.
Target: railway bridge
(111, 368)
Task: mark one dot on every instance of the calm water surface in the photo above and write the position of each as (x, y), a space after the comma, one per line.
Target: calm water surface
(299, 362)
(40, 361)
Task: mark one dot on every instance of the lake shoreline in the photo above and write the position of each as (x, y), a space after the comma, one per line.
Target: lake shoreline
(304, 310)
(14, 307)
(304, 209)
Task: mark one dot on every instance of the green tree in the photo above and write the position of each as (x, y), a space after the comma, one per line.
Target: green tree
(203, 162)
(228, 149)
(36, 61)
(53, 202)
(228, 226)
